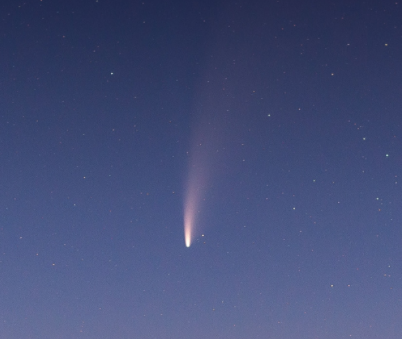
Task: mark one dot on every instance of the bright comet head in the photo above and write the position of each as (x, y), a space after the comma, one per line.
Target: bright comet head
(188, 225)
(187, 240)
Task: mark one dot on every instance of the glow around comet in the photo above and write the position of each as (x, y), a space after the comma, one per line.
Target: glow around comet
(195, 189)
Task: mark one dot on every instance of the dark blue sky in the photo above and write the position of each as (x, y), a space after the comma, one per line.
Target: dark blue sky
(291, 112)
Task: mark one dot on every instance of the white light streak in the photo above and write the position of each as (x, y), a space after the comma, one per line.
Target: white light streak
(190, 209)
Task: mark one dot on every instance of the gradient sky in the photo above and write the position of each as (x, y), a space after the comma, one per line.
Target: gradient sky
(297, 106)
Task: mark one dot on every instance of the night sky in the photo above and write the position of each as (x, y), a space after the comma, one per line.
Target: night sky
(276, 124)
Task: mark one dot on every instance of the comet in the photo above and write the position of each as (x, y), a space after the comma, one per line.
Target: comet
(203, 155)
